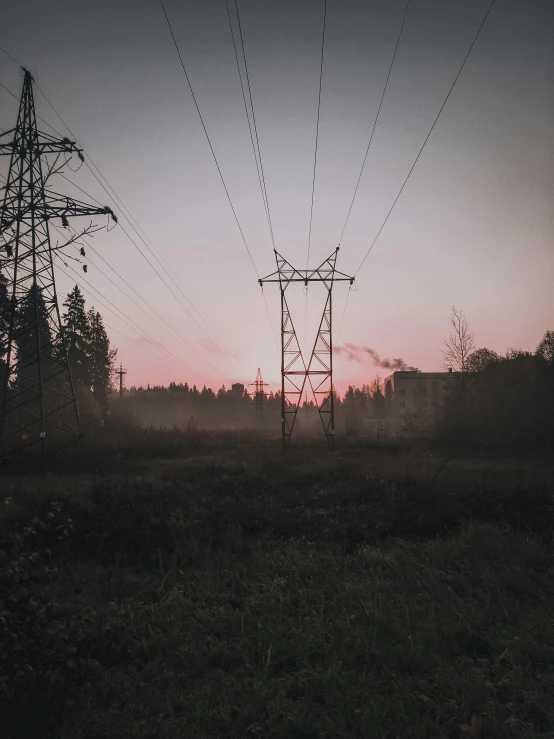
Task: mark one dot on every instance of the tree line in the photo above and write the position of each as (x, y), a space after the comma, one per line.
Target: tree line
(90, 355)
(505, 401)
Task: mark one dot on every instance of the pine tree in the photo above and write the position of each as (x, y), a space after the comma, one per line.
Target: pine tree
(101, 358)
(29, 345)
(76, 338)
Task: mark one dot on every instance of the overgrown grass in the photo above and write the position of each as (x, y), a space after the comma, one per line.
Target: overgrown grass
(231, 592)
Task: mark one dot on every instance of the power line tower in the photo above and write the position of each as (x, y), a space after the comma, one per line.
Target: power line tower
(259, 394)
(38, 401)
(121, 372)
(319, 370)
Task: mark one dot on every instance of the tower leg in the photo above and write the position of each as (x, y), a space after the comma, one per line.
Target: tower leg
(331, 435)
(283, 399)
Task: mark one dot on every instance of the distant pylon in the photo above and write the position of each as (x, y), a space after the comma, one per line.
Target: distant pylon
(259, 394)
(121, 372)
(37, 397)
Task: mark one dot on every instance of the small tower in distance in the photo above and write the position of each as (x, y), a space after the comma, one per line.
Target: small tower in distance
(259, 395)
(121, 372)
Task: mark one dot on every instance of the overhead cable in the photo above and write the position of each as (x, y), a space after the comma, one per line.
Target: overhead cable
(427, 137)
(141, 238)
(317, 129)
(250, 113)
(375, 121)
(113, 195)
(208, 138)
(129, 322)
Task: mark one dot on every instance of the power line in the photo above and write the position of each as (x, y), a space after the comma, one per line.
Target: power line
(136, 325)
(118, 199)
(317, 129)
(208, 138)
(164, 325)
(140, 296)
(113, 195)
(130, 218)
(128, 321)
(344, 312)
(133, 341)
(191, 348)
(133, 242)
(252, 128)
(256, 147)
(427, 137)
(7, 53)
(315, 167)
(254, 121)
(375, 121)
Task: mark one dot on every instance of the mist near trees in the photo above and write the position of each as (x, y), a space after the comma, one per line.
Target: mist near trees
(491, 400)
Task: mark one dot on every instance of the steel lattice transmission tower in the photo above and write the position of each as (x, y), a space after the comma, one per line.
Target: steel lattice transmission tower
(259, 394)
(38, 405)
(319, 370)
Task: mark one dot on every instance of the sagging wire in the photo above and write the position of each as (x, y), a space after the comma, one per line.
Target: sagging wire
(111, 215)
(269, 316)
(82, 159)
(352, 288)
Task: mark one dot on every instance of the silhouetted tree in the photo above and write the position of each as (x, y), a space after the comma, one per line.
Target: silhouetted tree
(77, 338)
(546, 347)
(481, 359)
(503, 401)
(460, 342)
(101, 358)
(377, 397)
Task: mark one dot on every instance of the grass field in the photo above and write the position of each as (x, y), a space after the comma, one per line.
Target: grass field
(190, 584)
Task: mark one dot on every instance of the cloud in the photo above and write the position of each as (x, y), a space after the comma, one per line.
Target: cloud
(366, 355)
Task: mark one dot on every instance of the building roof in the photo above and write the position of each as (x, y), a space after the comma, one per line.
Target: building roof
(418, 375)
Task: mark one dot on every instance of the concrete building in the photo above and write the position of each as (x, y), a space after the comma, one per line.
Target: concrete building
(414, 401)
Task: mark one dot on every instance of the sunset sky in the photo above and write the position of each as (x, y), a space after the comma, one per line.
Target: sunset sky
(474, 227)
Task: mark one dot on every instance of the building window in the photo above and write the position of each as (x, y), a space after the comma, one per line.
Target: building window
(402, 404)
(401, 393)
(402, 416)
(402, 429)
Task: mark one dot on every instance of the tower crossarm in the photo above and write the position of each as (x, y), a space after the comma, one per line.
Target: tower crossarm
(57, 206)
(51, 206)
(326, 272)
(42, 143)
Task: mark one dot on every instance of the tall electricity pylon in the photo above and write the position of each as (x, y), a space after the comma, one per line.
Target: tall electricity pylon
(38, 400)
(319, 370)
(259, 394)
